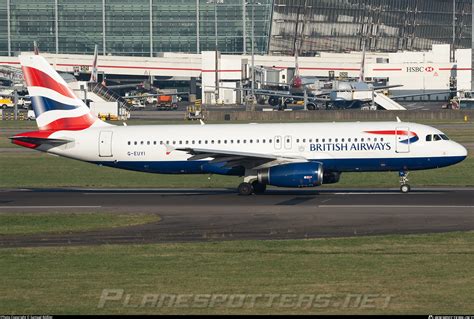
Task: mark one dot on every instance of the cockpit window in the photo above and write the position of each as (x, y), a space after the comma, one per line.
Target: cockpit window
(444, 137)
(428, 138)
(437, 137)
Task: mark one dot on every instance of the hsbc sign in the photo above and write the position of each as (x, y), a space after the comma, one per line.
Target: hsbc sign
(419, 69)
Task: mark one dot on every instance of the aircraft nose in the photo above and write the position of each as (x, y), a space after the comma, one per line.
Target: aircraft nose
(461, 150)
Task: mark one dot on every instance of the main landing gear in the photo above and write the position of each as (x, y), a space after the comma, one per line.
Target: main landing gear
(404, 186)
(251, 186)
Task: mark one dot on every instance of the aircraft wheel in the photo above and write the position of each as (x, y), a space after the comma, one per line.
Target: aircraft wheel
(405, 188)
(259, 188)
(245, 189)
(311, 107)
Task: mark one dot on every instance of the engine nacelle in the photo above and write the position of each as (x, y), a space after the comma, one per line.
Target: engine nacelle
(331, 177)
(293, 175)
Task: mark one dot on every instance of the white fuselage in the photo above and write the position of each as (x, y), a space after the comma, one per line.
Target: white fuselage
(339, 146)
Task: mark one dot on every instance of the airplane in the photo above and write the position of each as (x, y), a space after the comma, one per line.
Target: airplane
(320, 94)
(284, 155)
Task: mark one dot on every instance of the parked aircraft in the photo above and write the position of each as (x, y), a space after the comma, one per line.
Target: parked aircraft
(284, 155)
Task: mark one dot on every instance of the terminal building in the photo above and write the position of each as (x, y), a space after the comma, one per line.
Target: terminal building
(150, 27)
(414, 43)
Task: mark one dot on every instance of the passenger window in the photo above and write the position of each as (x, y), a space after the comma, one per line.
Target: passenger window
(362, 139)
(323, 140)
(129, 143)
(141, 142)
(428, 138)
(148, 143)
(375, 139)
(263, 141)
(304, 140)
(250, 141)
(336, 140)
(205, 142)
(212, 141)
(192, 141)
(135, 143)
(154, 142)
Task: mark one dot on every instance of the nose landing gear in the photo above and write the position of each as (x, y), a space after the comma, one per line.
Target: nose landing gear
(404, 186)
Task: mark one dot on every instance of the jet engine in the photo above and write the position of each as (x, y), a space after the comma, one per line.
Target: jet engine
(308, 174)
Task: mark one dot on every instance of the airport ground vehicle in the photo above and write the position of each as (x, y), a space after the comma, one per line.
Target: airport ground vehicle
(6, 102)
(163, 101)
(284, 155)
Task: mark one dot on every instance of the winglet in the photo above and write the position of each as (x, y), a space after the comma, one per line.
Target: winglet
(202, 122)
(398, 120)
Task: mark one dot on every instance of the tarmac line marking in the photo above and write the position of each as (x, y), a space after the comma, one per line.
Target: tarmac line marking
(396, 206)
(7, 207)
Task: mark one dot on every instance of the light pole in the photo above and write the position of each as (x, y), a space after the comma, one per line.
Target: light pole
(216, 92)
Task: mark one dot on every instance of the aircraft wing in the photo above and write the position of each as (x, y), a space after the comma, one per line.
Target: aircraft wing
(420, 94)
(384, 87)
(157, 94)
(311, 96)
(245, 159)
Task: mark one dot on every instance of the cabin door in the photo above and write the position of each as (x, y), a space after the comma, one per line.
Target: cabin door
(105, 144)
(402, 139)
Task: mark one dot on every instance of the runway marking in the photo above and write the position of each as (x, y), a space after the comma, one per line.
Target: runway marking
(385, 193)
(155, 193)
(6, 207)
(396, 206)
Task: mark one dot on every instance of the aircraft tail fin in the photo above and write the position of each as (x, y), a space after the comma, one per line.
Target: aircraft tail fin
(55, 105)
(94, 65)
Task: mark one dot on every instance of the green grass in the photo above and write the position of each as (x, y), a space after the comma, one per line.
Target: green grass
(423, 274)
(28, 223)
(42, 170)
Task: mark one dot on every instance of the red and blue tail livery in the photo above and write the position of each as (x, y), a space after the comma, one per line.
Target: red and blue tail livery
(55, 105)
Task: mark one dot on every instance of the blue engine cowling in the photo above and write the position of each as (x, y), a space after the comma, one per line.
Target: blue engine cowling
(308, 174)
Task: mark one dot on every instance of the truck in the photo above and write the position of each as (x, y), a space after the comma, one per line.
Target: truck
(164, 101)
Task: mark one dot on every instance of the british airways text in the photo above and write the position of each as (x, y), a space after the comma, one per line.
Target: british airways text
(338, 147)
